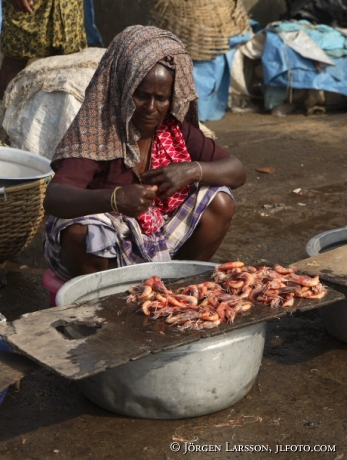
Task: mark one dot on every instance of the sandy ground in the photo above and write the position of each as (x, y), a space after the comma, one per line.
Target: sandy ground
(299, 397)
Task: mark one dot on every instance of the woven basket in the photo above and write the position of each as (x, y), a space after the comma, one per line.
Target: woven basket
(204, 26)
(21, 212)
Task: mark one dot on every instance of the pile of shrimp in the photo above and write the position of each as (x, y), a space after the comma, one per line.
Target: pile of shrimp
(233, 289)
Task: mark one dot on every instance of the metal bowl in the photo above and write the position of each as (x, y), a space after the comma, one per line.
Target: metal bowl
(333, 316)
(326, 241)
(19, 166)
(188, 381)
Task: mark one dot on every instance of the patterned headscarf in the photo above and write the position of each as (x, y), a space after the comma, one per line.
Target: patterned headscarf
(102, 129)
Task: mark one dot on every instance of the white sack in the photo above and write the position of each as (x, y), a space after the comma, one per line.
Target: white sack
(41, 102)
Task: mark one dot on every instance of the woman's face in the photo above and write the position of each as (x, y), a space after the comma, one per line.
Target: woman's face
(152, 99)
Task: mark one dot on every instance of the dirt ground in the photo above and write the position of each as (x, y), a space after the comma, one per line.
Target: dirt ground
(299, 397)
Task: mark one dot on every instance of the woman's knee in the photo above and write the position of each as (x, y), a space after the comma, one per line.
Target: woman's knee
(221, 209)
(74, 235)
(74, 252)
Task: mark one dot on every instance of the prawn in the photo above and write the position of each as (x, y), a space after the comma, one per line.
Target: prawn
(191, 290)
(164, 311)
(188, 300)
(220, 276)
(225, 312)
(256, 290)
(213, 297)
(183, 317)
(245, 306)
(229, 266)
(172, 299)
(209, 315)
(151, 305)
(288, 300)
(198, 324)
(248, 268)
(304, 280)
(234, 284)
(314, 292)
(282, 270)
(157, 285)
(139, 293)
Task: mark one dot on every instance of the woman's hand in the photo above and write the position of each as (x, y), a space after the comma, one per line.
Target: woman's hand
(24, 5)
(133, 200)
(172, 177)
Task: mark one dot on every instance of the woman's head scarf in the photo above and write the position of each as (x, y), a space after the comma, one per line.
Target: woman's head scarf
(102, 129)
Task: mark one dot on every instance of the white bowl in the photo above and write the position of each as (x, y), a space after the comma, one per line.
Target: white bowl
(19, 166)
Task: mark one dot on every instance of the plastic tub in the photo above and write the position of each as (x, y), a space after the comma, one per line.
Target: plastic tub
(333, 316)
(187, 381)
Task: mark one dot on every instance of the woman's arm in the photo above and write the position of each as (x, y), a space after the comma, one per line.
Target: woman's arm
(218, 166)
(227, 171)
(75, 191)
(68, 201)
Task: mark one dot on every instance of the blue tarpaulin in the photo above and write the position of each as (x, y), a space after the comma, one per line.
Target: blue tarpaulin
(330, 40)
(284, 67)
(212, 80)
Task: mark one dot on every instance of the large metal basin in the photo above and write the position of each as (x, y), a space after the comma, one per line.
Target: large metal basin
(333, 316)
(19, 166)
(326, 241)
(188, 381)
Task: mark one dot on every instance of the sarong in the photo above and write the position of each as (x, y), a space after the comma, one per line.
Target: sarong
(114, 235)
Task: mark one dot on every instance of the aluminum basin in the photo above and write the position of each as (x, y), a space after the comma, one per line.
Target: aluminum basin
(188, 381)
(327, 241)
(19, 166)
(333, 316)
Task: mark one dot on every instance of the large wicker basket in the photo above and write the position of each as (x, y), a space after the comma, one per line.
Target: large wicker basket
(204, 26)
(21, 212)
